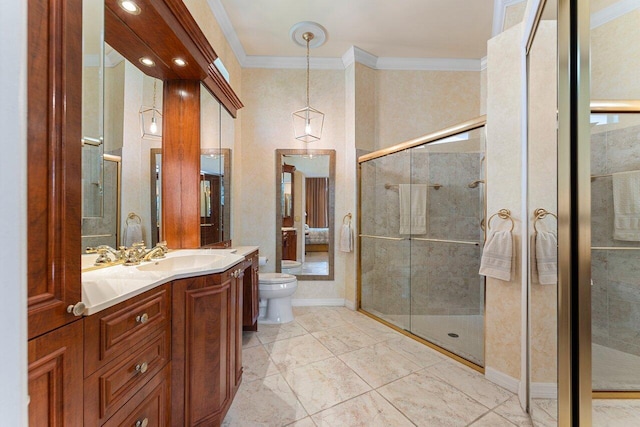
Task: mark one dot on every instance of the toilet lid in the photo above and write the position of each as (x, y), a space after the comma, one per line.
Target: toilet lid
(287, 263)
(275, 278)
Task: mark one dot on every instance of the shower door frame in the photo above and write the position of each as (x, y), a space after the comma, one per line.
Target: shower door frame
(469, 125)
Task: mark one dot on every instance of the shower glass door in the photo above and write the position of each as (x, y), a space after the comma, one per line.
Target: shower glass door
(422, 212)
(385, 252)
(447, 293)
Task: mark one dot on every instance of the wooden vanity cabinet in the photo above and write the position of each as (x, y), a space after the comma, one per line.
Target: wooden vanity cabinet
(250, 308)
(206, 349)
(289, 244)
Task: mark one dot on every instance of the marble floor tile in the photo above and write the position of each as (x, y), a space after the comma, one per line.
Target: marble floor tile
(367, 410)
(544, 411)
(376, 329)
(415, 351)
(269, 402)
(379, 364)
(257, 364)
(512, 411)
(348, 315)
(305, 422)
(319, 320)
(470, 382)
(492, 420)
(295, 352)
(616, 413)
(323, 384)
(428, 401)
(250, 339)
(344, 339)
(270, 333)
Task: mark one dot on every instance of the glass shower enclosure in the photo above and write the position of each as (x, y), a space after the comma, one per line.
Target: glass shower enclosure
(422, 214)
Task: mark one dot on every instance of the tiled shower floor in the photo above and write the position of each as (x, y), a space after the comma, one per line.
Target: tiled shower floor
(335, 367)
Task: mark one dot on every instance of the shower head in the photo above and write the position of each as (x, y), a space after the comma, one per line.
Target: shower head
(475, 183)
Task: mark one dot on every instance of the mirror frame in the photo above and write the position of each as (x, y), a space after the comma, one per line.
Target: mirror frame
(332, 200)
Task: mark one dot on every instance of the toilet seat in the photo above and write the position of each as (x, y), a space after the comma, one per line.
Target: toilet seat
(275, 278)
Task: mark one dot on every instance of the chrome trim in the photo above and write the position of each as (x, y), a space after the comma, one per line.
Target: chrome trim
(472, 124)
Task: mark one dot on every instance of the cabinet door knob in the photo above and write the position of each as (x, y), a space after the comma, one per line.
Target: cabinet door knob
(142, 367)
(142, 318)
(77, 310)
(142, 423)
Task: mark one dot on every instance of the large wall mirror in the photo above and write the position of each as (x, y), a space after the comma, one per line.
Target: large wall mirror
(305, 223)
(122, 131)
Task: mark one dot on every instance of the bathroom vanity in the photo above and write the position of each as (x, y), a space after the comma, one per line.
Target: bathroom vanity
(163, 340)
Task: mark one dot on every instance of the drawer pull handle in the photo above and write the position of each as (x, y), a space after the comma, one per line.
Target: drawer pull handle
(142, 319)
(142, 423)
(142, 367)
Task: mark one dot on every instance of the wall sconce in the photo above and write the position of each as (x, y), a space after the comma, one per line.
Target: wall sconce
(151, 119)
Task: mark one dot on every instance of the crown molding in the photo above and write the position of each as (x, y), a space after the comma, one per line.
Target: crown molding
(428, 64)
(227, 29)
(352, 55)
(483, 63)
(614, 11)
(499, 13)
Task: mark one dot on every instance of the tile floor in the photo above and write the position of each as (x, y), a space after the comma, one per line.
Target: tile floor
(336, 367)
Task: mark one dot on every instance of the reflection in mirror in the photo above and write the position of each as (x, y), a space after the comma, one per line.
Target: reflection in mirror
(542, 75)
(305, 189)
(126, 89)
(215, 195)
(92, 106)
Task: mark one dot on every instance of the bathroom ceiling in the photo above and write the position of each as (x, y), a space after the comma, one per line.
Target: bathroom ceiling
(403, 29)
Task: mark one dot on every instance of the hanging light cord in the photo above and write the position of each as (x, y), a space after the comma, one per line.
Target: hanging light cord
(308, 38)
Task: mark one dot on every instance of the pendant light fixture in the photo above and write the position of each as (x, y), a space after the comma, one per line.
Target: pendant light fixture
(151, 118)
(308, 121)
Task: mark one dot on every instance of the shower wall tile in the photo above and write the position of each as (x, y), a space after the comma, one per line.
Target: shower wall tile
(599, 153)
(622, 150)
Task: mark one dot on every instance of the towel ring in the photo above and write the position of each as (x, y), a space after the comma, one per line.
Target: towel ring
(347, 219)
(541, 213)
(502, 214)
(134, 217)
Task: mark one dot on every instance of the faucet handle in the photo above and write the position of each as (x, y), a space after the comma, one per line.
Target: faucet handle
(103, 257)
(163, 245)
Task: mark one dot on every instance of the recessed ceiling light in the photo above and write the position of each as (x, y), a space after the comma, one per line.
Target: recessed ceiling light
(148, 62)
(179, 62)
(129, 6)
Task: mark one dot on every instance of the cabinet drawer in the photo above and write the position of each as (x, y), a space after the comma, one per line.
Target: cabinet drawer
(121, 327)
(151, 404)
(112, 386)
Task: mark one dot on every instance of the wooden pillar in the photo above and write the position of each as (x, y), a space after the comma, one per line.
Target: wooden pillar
(181, 164)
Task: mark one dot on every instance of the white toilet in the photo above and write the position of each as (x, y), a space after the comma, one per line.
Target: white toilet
(275, 289)
(291, 267)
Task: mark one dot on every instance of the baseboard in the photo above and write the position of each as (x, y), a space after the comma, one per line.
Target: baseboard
(502, 379)
(351, 305)
(544, 390)
(313, 302)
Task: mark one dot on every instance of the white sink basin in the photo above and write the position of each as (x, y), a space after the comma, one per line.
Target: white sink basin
(185, 262)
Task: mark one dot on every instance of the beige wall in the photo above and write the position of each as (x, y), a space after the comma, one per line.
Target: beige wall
(410, 104)
(270, 97)
(504, 107)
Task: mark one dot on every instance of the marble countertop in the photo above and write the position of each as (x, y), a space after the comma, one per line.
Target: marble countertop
(244, 250)
(106, 287)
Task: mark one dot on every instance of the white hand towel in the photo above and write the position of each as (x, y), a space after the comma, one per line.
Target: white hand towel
(132, 234)
(496, 256)
(346, 238)
(413, 208)
(626, 206)
(547, 257)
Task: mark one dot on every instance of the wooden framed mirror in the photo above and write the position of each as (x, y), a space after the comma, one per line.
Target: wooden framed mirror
(305, 211)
